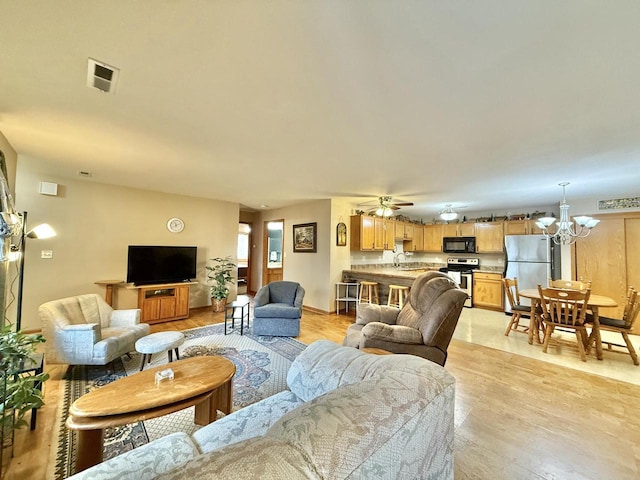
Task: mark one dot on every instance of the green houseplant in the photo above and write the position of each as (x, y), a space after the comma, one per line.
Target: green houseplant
(20, 393)
(220, 276)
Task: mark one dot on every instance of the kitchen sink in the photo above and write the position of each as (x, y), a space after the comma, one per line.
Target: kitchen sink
(412, 269)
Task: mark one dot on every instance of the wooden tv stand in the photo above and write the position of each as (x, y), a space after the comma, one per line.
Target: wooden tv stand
(163, 302)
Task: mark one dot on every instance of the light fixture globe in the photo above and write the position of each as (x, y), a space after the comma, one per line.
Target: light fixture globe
(447, 214)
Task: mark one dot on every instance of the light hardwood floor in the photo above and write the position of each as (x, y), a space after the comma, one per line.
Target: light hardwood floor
(516, 417)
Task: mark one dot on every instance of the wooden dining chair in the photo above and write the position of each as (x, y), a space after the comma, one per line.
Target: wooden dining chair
(566, 309)
(623, 326)
(517, 310)
(570, 284)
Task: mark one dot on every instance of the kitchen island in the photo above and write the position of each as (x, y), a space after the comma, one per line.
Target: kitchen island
(386, 276)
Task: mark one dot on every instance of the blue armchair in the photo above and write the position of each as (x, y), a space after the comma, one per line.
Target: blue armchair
(277, 309)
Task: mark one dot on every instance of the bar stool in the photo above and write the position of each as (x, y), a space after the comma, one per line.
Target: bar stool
(397, 295)
(369, 292)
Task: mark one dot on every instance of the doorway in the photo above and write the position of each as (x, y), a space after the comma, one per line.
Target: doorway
(244, 257)
(272, 248)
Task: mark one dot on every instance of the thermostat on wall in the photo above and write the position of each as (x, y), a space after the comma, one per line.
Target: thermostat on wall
(48, 188)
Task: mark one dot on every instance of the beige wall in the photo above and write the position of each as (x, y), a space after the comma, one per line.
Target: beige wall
(95, 224)
(311, 270)
(340, 256)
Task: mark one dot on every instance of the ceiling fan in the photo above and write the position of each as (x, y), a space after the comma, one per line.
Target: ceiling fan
(386, 206)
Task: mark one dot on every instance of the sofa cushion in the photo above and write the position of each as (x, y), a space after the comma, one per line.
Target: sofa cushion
(256, 458)
(250, 421)
(277, 310)
(370, 429)
(146, 461)
(324, 366)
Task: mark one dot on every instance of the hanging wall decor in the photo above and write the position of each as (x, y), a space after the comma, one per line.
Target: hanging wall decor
(304, 237)
(341, 235)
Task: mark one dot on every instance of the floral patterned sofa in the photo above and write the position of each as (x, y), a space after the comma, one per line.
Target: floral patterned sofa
(347, 414)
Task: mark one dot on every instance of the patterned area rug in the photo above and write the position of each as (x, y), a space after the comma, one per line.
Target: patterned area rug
(261, 364)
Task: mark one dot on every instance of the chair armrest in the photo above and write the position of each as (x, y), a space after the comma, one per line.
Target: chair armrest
(87, 334)
(369, 312)
(299, 297)
(125, 318)
(79, 327)
(262, 297)
(381, 332)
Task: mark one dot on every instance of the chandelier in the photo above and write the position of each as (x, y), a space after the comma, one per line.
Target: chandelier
(448, 214)
(565, 233)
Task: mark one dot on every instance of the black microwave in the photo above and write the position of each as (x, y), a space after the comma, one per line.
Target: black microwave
(459, 244)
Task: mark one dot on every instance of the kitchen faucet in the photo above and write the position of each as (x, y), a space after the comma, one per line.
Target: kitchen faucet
(396, 259)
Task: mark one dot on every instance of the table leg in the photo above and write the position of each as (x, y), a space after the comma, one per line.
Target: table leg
(221, 399)
(596, 332)
(90, 445)
(534, 322)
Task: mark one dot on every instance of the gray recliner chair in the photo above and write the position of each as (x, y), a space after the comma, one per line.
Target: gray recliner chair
(423, 327)
(277, 309)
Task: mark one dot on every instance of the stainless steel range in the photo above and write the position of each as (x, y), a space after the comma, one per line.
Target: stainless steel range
(461, 271)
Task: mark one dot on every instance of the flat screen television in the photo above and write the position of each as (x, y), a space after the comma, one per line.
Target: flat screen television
(149, 264)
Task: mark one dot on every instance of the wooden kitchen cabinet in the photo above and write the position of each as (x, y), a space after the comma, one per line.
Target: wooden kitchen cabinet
(163, 303)
(404, 230)
(362, 233)
(521, 227)
(389, 234)
(372, 233)
(610, 258)
(458, 230)
(432, 241)
(417, 243)
(489, 237)
(487, 291)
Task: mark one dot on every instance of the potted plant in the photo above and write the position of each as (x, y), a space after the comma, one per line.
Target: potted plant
(220, 276)
(20, 393)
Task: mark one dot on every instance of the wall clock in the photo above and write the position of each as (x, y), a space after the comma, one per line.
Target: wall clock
(175, 225)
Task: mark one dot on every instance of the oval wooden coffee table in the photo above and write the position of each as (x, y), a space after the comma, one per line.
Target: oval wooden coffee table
(201, 381)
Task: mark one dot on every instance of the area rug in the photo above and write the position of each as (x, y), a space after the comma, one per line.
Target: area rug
(261, 364)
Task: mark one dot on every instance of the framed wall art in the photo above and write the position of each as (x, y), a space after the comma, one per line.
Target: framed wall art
(341, 235)
(304, 237)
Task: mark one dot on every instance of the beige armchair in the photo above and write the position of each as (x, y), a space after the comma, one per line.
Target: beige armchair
(85, 330)
(423, 327)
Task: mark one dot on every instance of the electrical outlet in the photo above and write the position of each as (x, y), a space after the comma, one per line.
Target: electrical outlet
(46, 253)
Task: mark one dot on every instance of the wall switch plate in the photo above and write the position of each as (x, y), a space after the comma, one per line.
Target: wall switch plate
(46, 253)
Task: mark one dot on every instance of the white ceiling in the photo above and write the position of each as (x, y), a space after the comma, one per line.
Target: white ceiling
(488, 104)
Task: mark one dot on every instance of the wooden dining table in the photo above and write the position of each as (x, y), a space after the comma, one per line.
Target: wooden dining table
(594, 304)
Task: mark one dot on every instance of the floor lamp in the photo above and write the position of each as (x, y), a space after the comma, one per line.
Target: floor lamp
(41, 231)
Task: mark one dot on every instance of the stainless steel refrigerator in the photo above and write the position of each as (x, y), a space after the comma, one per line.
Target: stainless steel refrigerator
(533, 260)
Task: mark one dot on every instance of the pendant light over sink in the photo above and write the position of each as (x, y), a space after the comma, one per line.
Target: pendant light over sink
(565, 234)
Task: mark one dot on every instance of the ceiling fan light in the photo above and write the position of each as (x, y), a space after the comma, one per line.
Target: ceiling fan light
(384, 211)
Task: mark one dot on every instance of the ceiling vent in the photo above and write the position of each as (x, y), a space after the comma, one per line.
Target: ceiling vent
(101, 76)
